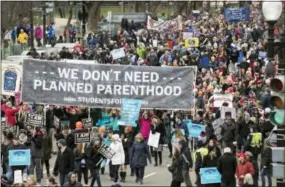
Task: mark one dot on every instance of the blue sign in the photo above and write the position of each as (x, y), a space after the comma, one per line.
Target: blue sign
(10, 79)
(195, 129)
(20, 157)
(130, 112)
(210, 175)
(262, 54)
(237, 14)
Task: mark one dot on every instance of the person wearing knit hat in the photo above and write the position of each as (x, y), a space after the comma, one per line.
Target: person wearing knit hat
(244, 167)
(249, 157)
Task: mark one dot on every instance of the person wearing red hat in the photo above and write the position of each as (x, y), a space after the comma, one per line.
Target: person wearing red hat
(244, 167)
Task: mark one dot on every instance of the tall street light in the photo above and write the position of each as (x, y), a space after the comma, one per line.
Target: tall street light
(272, 10)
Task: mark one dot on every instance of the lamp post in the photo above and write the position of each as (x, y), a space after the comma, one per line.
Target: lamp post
(272, 10)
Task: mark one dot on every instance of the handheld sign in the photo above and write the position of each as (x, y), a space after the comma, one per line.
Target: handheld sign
(87, 123)
(36, 120)
(106, 151)
(20, 157)
(217, 124)
(195, 129)
(153, 139)
(210, 175)
(130, 111)
(82, 136)
(56, 122)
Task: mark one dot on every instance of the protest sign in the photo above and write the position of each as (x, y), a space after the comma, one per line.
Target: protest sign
(106, 151)
(237, 14)
(153, 139)
(187, 35)
(87, 123)
(56, 122)
(11, 78)
(217, 124)
(103, 86)
(81, 136)
(210, 175)
(130, 112)
(35, 120)
(262, 54)
(228, 109)
(161, 25)
(154, 43)
(118, 53)
(195, 129)
(219, 99)
(19, 157)
(192, 42)
(18, 177)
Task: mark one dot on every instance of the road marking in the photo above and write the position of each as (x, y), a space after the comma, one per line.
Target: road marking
(149, 175)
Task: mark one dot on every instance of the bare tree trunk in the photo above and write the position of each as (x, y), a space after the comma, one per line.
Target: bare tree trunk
(94, 15)
(68, 22)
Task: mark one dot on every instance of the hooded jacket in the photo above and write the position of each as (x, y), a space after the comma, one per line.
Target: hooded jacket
(117, 147)
(139, 154)
(68, 184)
(37, 145)
(243, 169)
(185, 153)
(23, 37)
(39, 33)
(10, 114)
(145, 125)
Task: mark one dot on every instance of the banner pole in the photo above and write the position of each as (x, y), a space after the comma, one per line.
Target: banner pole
(89, 112)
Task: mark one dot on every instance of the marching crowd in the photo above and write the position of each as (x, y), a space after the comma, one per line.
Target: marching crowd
(229, 62)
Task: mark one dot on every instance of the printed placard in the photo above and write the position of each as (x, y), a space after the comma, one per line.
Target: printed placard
(11, 78)
(87, 123)
(130, 112)
(195, 129)
(118, 53)
(217, 124)
(228, 109)
(153, 139)
(106, 151)
(82, 136)
(219, 99)
(210, 175)
(35, 120)
(20, 157)
(56, 122)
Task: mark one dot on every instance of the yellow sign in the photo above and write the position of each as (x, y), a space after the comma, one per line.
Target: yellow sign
(192, 42)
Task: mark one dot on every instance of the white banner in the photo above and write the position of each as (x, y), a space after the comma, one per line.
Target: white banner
(11, 78)
(228, 109)
(172, 25)
(219, 99)
(118, 53)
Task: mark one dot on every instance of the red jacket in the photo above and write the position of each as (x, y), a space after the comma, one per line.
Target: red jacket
(243, 169)
(10, 114)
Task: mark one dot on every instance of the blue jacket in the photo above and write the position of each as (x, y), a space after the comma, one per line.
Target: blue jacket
(51, 32)
(183, 126)
(139, 154)
(13, 35)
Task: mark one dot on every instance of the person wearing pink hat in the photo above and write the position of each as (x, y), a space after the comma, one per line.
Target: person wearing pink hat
(244, 167)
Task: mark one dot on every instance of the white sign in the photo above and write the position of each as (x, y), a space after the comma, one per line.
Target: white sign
(228, 109)
(11, 78)
(154, 43)
(187, 35)
(219, 99)
(118, 53)
(153, 139)
(18, 178)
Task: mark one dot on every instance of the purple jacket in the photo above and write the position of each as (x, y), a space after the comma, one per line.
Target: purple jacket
(38, 33)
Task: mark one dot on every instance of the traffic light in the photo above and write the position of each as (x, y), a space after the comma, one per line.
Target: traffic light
(277, 100)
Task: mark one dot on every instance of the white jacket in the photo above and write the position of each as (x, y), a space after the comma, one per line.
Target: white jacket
(119, 157)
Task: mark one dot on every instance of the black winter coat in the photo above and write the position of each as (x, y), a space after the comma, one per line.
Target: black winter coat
(127, 144)
(176, 169)
(160, 129)
(266, 158)
(64, 162)
(78, 157)
(227, 165)
(210, 162)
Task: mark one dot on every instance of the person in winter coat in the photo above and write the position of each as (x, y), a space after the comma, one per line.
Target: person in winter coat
(227, 165)
(176, 169)
(228, 131)
(23, 37)
(21, 116)
(138, 157)
(69, 137)
(37, 154)
(187, 162)
(16, 146)
(64, 162)
(212, 144)
(95, 158)
(74, 116)
(181, 125)
(243, 130)
(127, 140)
(152, 59)
(255, 166)
(166, 120)
(266, 160)
(39, 35)
(8, 142)
(81, 163)
(47, 151)
(10, 113)
(145, 125)
(119, 158)
(114, 117)
(211, 160)
(244, 167)
(50, 118)
(71, 177)
(157, 127)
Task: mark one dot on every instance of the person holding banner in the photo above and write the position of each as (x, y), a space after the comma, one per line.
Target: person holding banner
(10, 113)
(138, 158)
(145, 126)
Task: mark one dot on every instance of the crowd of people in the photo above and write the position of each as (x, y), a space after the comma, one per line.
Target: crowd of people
(229, 62)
